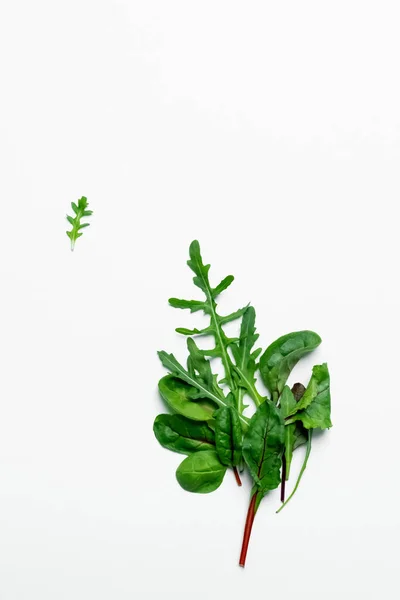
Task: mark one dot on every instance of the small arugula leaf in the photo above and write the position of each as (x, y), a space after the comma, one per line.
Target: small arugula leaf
(245, 359)
(183, 435)
(80, 211)
(314, 408)
(263, 447)
(225, 283)
(180, 397)
(192, 305)
(303, 468)
(228, 436)
(201, 472)
(282, 355)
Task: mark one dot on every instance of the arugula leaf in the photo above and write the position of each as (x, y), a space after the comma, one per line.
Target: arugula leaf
(201, 472)
(245, 360)
(201, 280)
(228, 436)
(314, 409)
(282, 355)
(80, 211)
(183, 435)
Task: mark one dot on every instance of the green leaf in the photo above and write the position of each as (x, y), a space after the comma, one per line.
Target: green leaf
(303, 468)
(245, 359)
(183, 435)
(200, 363)
(201, 472)
(180, 398)
(225, 283)
(282, 355)
(222, 342)
(204, 389)
(80, 212)
(314, 409)
(228, 436)
(287, 403)
(185, 331)
(192, 305)
(263, 447)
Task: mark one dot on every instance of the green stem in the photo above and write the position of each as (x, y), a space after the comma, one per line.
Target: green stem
(303, 468)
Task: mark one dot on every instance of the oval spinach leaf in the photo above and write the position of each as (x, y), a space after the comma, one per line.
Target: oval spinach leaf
(228, 436)
(282, 355)
(263, 447)
(201, 472)
(183, 435)
(180, 397)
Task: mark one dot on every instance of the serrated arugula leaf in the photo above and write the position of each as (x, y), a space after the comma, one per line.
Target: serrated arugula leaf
(245, 359)
(80, 211)
(201, 280)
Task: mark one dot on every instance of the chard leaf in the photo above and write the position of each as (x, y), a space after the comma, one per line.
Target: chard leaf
(282, 355)
(263, 447)
(180, 398)
(245, 359)
(228, 436)
(314, 408)
(201, 472)
(183, 435)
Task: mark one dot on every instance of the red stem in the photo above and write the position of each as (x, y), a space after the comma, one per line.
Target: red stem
(251, 513)
(237, 477)
(283, 479)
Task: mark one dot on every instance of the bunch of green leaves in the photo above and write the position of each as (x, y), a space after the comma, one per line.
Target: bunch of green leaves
(80, 211)
(208, 423)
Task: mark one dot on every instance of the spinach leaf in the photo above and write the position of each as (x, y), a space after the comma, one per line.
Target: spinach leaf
(314, 408)
(201, 472)
(263, 447)
(183, 435)
(245, 360)
(207, 388)
(228, 436)
(282, 355)
(180, 397)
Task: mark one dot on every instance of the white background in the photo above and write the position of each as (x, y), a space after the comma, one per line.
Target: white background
(270, 131)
